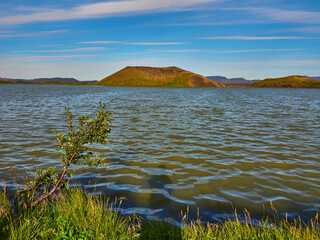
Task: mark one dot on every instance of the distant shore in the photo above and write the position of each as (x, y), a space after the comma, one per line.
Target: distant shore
(141, 76)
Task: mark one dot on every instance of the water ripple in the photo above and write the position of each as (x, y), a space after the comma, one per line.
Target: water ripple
(212, 149)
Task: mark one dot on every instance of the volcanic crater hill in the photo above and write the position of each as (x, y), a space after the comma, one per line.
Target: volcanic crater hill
(137, 76)
(294, 81)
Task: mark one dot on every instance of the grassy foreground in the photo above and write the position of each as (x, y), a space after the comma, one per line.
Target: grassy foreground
(77, 215)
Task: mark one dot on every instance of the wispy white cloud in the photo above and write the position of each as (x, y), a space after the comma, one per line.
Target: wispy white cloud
(268, 64)
(310, 29)
(252, 38)
(100, 42)
(134, 43)
(101, 9)
(88, 49)
(31, 34)
(195, 23)
(43, 58)
(210, 51)
(260, 50)
(156, 43)
(281, 15)
(50, 45)
(179, 51)
(226, 51)
(290, 16)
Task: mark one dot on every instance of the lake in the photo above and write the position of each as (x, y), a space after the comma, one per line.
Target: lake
(212, 149)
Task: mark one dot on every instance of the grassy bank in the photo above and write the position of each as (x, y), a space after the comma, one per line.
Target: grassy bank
(77, 215)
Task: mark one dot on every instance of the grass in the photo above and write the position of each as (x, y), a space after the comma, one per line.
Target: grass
(72, 215)
(77, 215)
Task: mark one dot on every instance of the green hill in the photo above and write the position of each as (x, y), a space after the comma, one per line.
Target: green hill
(287, 82)
(157, 77)
(2, 81)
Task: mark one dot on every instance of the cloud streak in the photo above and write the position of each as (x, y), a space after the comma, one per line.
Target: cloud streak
(251, 38)
(310, 29)
(44, 58)
(101, 9)
(134, 43)
(88, 49)
(100, 42)
(31, 34)
(227, 51)
(290, 16)
(280, 15)
(260, 50)
(180, 51)
(156, 43)
(283, 63)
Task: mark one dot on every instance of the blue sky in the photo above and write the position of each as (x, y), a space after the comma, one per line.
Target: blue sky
(91, 39)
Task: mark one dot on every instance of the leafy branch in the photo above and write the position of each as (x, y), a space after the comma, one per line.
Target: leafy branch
(73, 150)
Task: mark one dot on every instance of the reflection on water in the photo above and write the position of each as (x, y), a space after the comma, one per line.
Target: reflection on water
(212, 149)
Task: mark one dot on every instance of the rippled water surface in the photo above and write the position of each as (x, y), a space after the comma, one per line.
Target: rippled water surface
(212, 149)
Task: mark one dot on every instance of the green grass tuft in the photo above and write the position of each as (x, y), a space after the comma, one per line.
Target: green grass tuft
(74, 214)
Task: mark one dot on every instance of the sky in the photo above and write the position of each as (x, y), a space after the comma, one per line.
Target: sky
(91, 39)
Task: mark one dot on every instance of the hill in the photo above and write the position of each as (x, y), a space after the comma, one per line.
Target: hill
(4, 81)
(313, 78)
(231, 81)
(216, 78)
(287, 82)
(55, 80)
(157, 77)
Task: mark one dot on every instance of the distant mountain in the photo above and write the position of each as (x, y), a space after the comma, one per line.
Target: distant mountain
(139, 76)
(56, 79)
(231, 81)
(48, 80)
(14, 80)
(287, 82)
(313, 78)
(215, 78)
(91, 81)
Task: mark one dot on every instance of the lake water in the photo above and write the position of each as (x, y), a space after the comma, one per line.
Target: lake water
(210, 149)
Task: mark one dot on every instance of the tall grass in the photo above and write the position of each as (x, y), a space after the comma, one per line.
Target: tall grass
(72, 215)
(76, 215)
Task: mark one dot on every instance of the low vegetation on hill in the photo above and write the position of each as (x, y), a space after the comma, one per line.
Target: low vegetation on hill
(157, 77)
(2, 81)
(287, 82)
